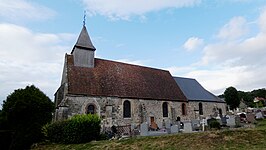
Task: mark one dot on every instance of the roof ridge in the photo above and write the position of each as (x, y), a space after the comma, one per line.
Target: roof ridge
(184, 78)
(132, 64)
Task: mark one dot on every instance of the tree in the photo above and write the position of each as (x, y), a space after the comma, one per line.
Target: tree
(231, 97)
(259, 93)
(247, 98)
(25, 111)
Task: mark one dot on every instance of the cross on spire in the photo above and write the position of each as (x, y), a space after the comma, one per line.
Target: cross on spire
(84, 18)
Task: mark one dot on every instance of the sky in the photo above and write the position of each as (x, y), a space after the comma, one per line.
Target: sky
(220, 43)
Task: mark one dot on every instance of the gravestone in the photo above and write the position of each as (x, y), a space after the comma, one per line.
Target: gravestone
(231, 121)
(259, 115)
(160, 125)
(263, 113)
(250, 118)
(195, 124)
(223, 119)
(174, 129)
(237, 121)
(167, 125)
(203, 123)
(187, 127)
(144, 129)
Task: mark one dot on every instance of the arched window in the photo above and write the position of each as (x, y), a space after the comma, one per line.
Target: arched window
(91, 109)
(127, 109)
(184, 109)
(200, 109)
(165, 109)
(220, 111)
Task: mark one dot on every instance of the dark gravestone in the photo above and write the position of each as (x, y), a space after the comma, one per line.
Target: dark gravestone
(250, 118)
(242, 117)
(237, 121)
(223, 119)
(178, 118)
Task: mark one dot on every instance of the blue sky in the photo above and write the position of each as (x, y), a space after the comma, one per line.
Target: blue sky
(220, 43)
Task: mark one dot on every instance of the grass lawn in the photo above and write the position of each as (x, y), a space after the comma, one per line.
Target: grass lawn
(245, 139)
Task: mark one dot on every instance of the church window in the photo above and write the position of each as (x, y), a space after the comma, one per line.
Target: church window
(220, 111)
(165, 109)
(184, 109)
(200, 109)
(91, 109)
(127, 109)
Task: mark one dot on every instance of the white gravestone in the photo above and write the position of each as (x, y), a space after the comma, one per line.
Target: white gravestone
(144, 129)
(187, 127)
(231, 121)
(174, 129)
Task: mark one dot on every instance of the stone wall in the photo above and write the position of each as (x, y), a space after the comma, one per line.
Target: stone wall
(110, 109)
(209, 109)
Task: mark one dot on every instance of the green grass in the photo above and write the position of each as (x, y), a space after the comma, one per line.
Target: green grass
(240, 139)
(261, 125)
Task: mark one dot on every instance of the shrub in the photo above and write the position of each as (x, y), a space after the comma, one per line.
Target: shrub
(54, 131)
(214, 124)
(78, 129)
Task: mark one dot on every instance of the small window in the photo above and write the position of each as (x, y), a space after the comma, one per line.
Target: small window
(184, 109)
(165, 109)
(200, 109)
(220, 111)
(91, 109)
(127, 109)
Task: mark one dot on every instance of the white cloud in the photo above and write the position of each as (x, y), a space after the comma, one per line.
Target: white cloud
(193, 43)
(262, 21)
(124, 9)
(235, 59)
(216, 80)
(236, 28)
(28, 58)
(134, 62)
(22, 9)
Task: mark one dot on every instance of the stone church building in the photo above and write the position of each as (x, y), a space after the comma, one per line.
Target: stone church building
(125, 94)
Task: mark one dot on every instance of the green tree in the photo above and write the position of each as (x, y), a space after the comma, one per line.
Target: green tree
(247, 98)
(259, 93)
(231, 97)
(25, 111)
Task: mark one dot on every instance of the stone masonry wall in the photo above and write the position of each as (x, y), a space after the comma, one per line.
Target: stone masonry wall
(110, 109)
(209, 109)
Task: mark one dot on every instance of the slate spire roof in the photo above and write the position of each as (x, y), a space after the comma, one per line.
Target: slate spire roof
(84, 41)
(194, 91)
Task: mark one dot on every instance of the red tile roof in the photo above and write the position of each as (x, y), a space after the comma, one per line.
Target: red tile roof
(115, 79)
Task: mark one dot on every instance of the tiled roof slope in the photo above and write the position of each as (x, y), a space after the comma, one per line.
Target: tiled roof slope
(109, 78)
(194, 91)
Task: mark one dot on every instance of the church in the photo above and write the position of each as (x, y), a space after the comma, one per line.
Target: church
(124, 94)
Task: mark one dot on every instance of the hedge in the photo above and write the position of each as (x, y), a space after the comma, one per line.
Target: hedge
(78, 129)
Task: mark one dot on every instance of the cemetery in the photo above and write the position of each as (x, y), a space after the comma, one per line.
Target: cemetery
(231, 121)
(237, 138)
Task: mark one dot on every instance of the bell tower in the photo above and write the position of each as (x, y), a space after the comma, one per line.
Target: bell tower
(83, 50)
